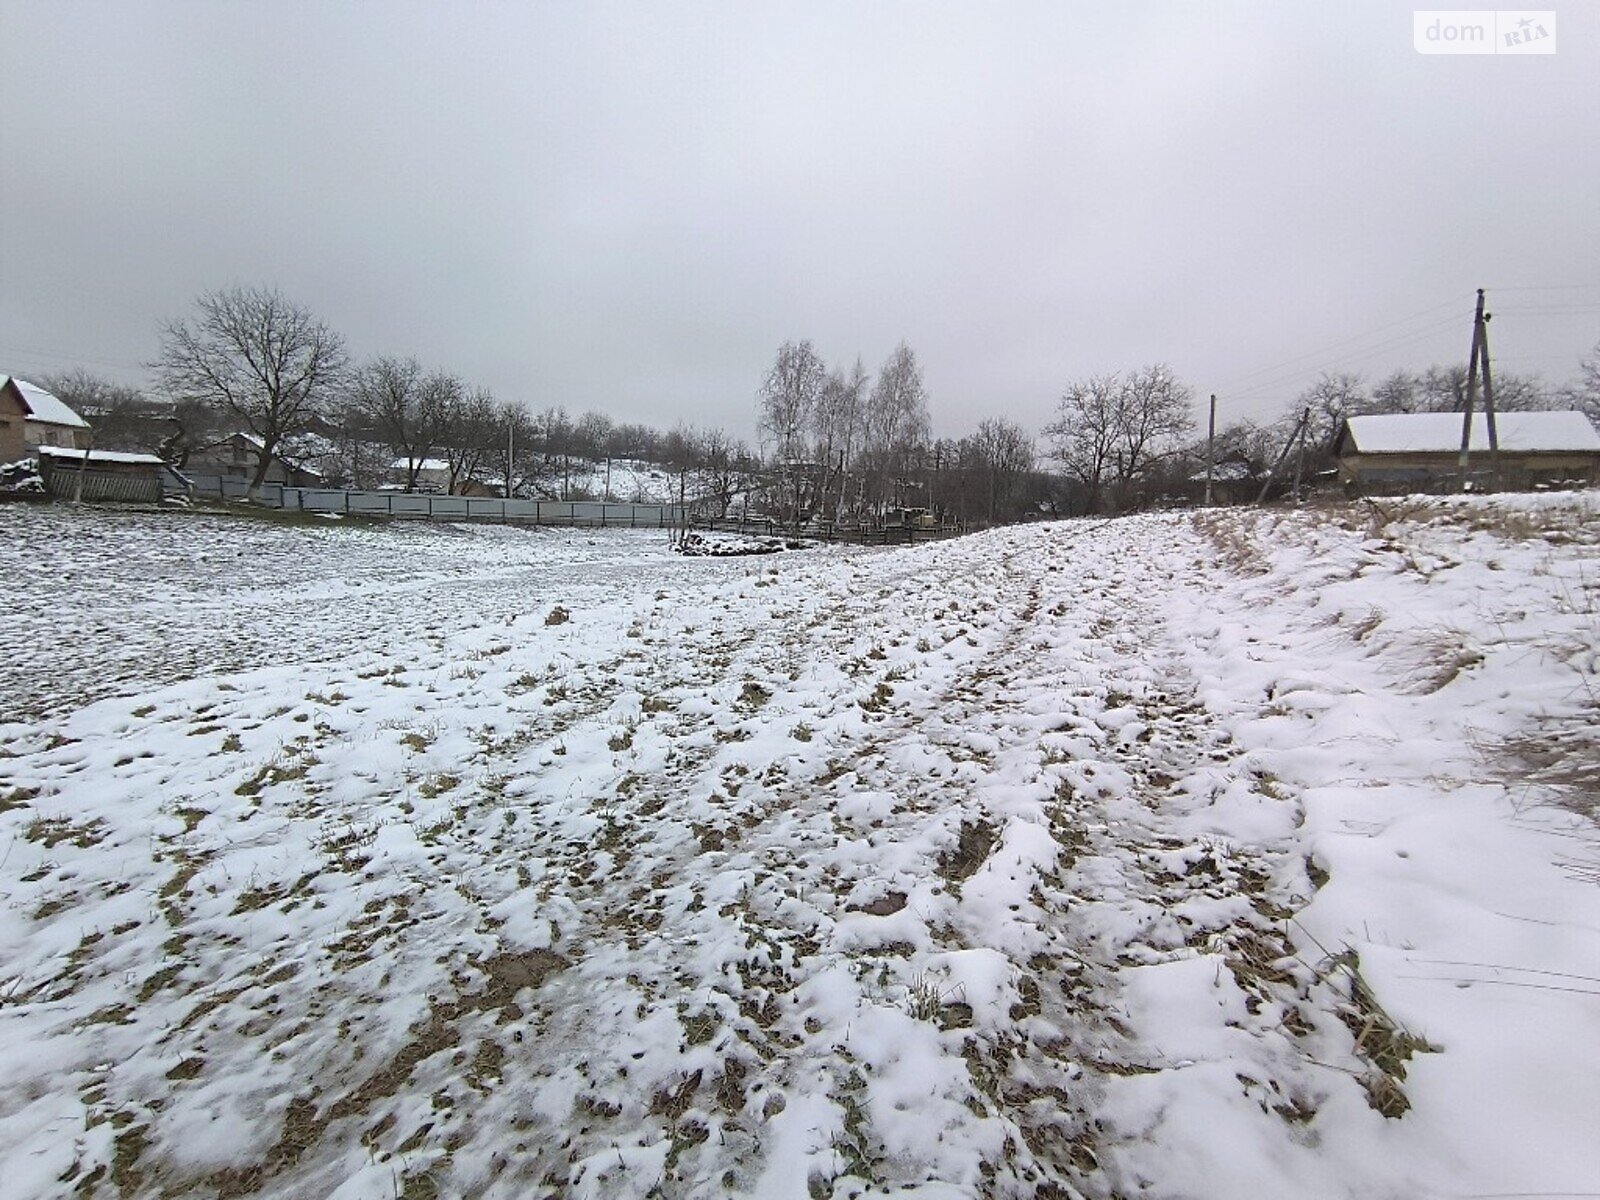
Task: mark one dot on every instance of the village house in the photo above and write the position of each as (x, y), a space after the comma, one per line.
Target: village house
(1415, 451)
(31, 417)
(236, 456)
(433, 475)
(1233, 481)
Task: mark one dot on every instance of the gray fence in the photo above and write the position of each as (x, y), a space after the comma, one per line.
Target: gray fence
(424, 506)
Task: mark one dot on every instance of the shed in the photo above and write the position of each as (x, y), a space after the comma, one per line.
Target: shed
(32, 417)
(1410, 451)
(108, 475)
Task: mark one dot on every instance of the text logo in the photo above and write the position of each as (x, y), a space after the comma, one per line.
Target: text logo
(1484, 31)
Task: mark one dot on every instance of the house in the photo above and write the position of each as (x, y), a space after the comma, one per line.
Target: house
(31, 417)
(1233, 481)
(108, 475)
(1415, 451)
(236, 456)
(433, 474)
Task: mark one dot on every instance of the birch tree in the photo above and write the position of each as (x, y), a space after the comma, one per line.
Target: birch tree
(895, 424)
(789, 400)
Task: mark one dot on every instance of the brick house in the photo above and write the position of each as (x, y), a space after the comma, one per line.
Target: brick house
(31, 417)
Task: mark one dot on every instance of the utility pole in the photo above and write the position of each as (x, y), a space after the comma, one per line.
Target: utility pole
(77, 491)
(1295, 437)
(1211, 441)
(1488, 400)
(1464, 460)
(1300, 466)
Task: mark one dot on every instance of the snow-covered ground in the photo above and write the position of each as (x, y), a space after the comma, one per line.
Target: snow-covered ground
(1234, 855)
(621, 479)
(113, 601)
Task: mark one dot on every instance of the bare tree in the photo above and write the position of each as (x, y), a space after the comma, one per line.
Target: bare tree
(726, 469)
(790, 397)
(1111, 431)
(1332, 399)
(1157, 413)
(1444, 389)
(122, 418)
(472, 434)
(1583, 393)
(267, 361)
(1004, 455)
(836, 431)
(895, 426)
(352, 454)
(406, 408)
(1084, 433)
(553, 438)
(514, 460)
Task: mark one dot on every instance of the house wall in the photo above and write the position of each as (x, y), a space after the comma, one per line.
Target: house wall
(236, 459)
(429, 479)
(42, 433)
(13, 438)
(1520, 470)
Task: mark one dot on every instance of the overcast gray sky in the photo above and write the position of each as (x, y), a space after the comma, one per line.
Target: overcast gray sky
(628, 207)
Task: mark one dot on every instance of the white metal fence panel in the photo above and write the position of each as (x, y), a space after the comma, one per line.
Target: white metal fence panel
(421, 505)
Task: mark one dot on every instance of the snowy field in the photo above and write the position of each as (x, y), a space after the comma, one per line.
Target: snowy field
(119, 601)
(1240, 855)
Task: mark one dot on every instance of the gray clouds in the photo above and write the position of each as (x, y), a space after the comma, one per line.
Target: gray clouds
(628, 207)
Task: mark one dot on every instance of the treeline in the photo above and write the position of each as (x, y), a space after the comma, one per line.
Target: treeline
(836, 444)
(845, 446)
(1131, 440)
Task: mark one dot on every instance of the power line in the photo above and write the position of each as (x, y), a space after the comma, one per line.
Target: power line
(1551, 310)
(1257, 384)
(73, 359)
(1325, 350)
(1549, 287)
(1385, 347)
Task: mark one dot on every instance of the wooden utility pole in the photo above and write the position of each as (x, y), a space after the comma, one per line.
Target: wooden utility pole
(1294, 438)
(77, 490)
(1464, 460)
(1211, 441)
(1300, 465)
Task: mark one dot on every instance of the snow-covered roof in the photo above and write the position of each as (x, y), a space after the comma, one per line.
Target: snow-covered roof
(44, 407)
(1229, 471)
(1436, 433)
(426, 464)
(101, 456)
